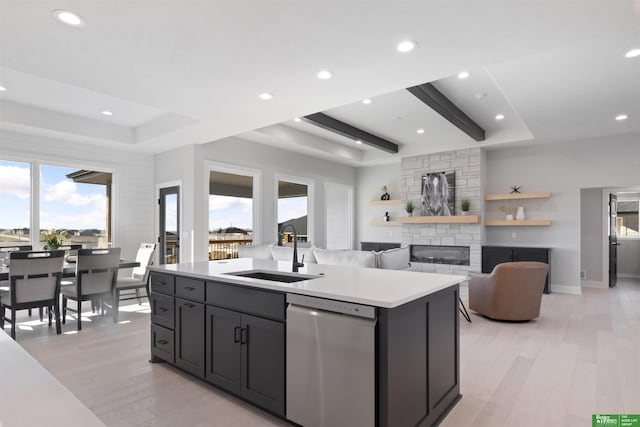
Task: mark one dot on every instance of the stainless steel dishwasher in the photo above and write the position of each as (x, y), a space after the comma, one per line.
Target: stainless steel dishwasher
(330, 362)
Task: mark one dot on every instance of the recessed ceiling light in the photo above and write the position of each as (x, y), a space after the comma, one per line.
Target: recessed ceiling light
(265, 96)
(107, 113)
(463, 75)
(2, 88)
(69, 18)
(325, 75)
(500, 117)
(621, 117)
(406, 46)
(297, 119)
(358, 141)
(366, 101)
(632, 53)
(420, 131)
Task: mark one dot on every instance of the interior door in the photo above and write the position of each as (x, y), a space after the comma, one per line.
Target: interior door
(169, 233)
(613, 240)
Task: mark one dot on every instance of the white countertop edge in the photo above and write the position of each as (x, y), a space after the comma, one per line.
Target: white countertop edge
(295, 288)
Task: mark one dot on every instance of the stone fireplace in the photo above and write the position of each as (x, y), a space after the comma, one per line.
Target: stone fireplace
(443, 237)
(436, 254)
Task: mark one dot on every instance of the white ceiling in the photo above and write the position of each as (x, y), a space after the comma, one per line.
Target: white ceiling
(182, 72)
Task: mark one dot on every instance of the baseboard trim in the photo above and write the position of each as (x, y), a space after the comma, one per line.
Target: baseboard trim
(629, 276)
(564, 289)
(592, 284)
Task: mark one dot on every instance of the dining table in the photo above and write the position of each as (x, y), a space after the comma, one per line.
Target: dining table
(69, 268)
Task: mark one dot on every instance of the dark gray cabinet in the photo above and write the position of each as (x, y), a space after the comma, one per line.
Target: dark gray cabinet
(223, 336)
(189, 336)
(494, 255)
(246, 355)
(378, 246)
(263, 362)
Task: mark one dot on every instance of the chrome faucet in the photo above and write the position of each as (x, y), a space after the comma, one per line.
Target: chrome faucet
(296, 264)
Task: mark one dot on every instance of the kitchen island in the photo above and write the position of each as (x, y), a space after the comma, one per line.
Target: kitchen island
(229, 323)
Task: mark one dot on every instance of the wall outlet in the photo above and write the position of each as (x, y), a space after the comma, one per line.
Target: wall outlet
(583, 275)
(514, 235)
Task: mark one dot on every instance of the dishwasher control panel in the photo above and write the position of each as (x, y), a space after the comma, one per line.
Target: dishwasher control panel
(334, 306)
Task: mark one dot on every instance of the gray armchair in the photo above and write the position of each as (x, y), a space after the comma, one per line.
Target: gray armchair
(34, 282)
(513, 291)
(96, 275)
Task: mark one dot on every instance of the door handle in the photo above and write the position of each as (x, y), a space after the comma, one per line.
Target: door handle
(189, 288)
(237, 334)
(244, 335)
(189, 305)
(163, 308)
(163, 342)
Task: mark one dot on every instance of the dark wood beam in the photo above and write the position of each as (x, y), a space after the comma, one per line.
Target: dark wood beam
(431, 96)
(345, 129)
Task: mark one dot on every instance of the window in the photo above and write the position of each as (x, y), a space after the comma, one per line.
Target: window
(15, 200)
(76, 202)
(293, 209)
(627, 220)
(230, 213)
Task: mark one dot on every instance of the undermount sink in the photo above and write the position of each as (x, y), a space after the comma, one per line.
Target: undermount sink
(273, 276)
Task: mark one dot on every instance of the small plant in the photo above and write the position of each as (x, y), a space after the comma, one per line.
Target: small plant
(409, 207)
(465, 205)
(53, 239)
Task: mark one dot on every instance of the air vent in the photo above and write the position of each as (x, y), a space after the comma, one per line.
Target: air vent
(583, 275)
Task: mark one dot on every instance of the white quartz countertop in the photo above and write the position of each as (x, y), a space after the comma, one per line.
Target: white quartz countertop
(370, 286)
(31, 396)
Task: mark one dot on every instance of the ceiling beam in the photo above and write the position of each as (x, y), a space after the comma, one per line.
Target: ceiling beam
(431, 96)
(345, 129)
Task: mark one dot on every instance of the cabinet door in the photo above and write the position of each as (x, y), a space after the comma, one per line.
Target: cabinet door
(263, 368)
(190, 336)
(223, 363)
(494, 255)
(534, 254)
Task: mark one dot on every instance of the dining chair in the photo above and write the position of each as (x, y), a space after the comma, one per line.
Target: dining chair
(5, 252)
(96, 275)
(34, 282)
(137, 280)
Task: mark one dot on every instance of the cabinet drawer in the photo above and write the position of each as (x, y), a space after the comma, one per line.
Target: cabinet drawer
(162, 283)
(247, 300)
(190, 289)
(162, 311)
(162, 343)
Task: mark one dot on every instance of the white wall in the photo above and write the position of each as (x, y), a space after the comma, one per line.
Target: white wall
(591, 231)
(369, 180)
(563, 169)
(188, 164)
(132, 196)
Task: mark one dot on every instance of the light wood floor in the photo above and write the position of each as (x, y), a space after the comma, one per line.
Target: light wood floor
(582, 356)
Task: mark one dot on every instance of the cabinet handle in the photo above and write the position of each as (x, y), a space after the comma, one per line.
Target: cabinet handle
(163, 342)
(189, 305)
(163, 309)
(189, 288)
(236, 334)
(244, 335)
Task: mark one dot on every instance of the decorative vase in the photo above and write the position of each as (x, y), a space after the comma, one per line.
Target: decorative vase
(409, 213)
(520, 213)
(465, 212)
(509, 217)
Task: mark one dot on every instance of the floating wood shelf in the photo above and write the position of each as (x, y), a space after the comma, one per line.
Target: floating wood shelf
(517, 223)
(384, 223)
(517, 196)
(385, 202)
(457, 219)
